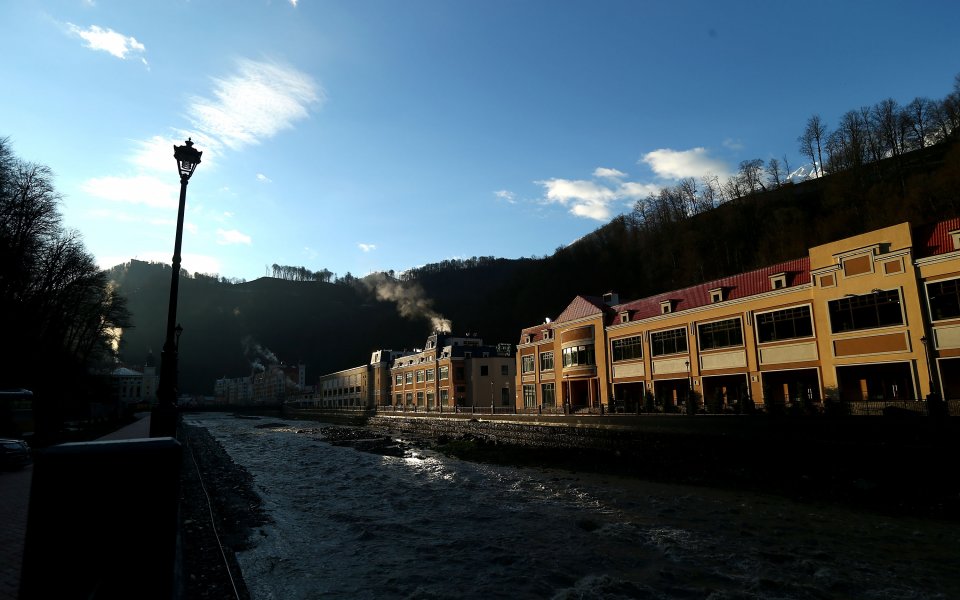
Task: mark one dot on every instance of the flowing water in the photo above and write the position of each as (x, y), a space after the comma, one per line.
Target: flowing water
(351, 524)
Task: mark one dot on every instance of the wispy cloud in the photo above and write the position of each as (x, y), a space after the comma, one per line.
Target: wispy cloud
(293, 3)
(263, 178)
(108, 40)
(256, 102)
(733, 144)
(677, 164)
(367, 247)
(506, 195)
(594, 199)
(606, 173)
(232, 236)
(141, 189)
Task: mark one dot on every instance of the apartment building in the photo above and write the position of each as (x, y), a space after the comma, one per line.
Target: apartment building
(366, 386)
(452, 371)
(870, 317)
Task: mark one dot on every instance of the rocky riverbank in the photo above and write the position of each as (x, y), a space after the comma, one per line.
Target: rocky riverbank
(213, 531)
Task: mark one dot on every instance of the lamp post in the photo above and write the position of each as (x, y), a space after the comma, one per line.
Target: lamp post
(163, 420)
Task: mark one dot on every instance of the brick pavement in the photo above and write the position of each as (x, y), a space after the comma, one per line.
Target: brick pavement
(14, 501)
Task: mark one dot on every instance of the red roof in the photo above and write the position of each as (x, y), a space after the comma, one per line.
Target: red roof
(737, 286)
(582, 306)
(930, 240)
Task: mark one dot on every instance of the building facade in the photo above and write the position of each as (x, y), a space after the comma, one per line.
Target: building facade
(874, 317)
(454, 371)
(366, 386)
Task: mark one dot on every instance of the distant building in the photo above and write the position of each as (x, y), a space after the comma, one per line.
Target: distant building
(454, 371)
(365, 386)
(271, 385)
(135, 386)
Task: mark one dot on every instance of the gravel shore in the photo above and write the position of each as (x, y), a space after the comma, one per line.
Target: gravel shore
(233, 513)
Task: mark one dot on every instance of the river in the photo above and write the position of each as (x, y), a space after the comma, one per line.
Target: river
(352, 524)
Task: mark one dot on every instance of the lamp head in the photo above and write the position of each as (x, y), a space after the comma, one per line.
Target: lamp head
(187, 157)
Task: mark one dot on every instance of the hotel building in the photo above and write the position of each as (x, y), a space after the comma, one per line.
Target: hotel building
(873, 317)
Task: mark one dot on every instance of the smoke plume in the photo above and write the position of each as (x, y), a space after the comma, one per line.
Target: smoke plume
(411, 300)
(257, 354)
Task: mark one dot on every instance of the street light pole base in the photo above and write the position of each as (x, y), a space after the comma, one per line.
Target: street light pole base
(163, 421)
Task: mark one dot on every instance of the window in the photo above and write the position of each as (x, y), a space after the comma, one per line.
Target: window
(671, 341)
(546, 361)
(526, 363)
(444, 395)
(420, 376)
(628, 348)
(444, 373)
(399, 378)
(429, 398)
(505, 399)
(778, 281)
(529, 396)
(784, 324)
(484, 370)
(578, 356)
(409, 376)
(399, 399)
(877, 309)
(625, 316)
(549, 394)
(720, 334)
(429, 374)
(666, 307)
(419, 398)
(716, 295)
(944, 299)
(504, 369)
(409, 399)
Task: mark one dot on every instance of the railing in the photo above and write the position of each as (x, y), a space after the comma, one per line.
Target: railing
(858, 408)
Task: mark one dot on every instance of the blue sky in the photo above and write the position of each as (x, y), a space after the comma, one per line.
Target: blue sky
(374, 135)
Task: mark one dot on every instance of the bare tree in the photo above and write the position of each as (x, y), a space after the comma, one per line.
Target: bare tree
(774, 173)
(921, 121)
(812, 142)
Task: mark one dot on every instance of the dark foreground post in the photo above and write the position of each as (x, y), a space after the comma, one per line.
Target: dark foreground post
(163, 421)
(103, 521)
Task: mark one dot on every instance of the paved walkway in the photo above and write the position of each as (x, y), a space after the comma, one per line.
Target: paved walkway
(14, 500)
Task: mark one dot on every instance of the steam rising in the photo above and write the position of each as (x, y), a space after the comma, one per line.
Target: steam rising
(255, 352)
(411, 301)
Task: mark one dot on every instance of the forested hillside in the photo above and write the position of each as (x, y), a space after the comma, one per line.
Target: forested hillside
(881, 165)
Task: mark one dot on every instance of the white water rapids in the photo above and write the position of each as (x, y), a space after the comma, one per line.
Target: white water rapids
(351, 524)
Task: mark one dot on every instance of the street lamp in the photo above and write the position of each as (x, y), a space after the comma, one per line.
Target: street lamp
(163, 421)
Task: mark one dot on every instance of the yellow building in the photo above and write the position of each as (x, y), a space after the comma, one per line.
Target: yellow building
(850, 320)
(454, 371)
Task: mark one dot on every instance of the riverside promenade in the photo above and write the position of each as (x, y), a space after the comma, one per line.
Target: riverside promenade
(15, 500)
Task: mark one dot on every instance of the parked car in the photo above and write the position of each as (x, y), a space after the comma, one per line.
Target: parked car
(14, 454)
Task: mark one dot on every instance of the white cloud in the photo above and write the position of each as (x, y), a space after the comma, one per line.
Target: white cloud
(108, 40)
(606, 173)
(596, 199)
(677, 164)
(256, 102)
(263, 178)
(506, 195)
(232, 236)
(191, 227)
(293, 3)
(141, 189)
(367, 247)
(632, 190)
(585, 198)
